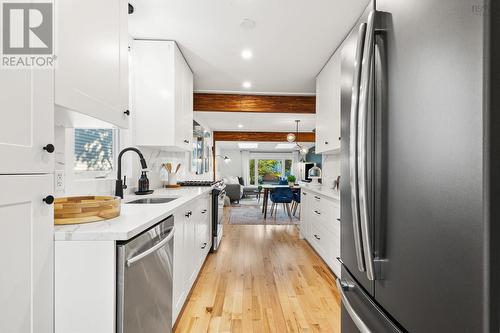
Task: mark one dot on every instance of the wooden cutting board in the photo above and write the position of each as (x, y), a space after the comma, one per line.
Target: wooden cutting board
(85, 209)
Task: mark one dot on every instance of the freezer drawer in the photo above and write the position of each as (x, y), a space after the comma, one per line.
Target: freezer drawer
(359, 312)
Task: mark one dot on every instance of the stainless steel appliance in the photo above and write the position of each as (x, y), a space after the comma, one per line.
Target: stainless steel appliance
(144, 296)
(420, 160)
(218, 194)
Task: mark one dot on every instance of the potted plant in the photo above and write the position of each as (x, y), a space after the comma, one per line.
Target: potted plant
(291, 180)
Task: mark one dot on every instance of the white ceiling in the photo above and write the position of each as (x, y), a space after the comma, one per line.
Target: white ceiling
(291, 40)
(263, 146)
(255, 122)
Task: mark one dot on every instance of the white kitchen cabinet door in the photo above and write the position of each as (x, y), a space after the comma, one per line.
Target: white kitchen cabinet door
(27, 126)
(92, 58)
(328, 106)
(162, 90)
(26, 242)
(179, 280)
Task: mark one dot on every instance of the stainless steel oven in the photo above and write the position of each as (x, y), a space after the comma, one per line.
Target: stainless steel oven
(144, 297)
(218, 195)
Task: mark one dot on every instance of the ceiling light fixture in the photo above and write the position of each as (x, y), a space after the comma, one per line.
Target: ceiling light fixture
(240, 126)
(246, 54)
(247, 23)
(247, 84)
(292, 137)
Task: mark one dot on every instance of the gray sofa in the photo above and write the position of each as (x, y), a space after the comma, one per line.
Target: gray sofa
(234, 190)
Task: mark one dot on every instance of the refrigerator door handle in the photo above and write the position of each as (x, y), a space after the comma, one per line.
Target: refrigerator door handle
(353, 148)
(343, 286)
(364, 103)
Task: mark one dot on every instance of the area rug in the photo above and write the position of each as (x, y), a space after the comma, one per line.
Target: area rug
(248, 211)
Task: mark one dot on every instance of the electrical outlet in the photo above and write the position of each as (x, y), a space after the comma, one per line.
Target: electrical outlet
(59, 181)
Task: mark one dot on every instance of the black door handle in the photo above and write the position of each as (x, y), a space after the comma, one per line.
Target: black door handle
(127, 112)
(49, 148)
(49, 200)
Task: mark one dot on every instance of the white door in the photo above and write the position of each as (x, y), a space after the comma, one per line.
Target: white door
(27, 126)
(26, 243)
(92, 63)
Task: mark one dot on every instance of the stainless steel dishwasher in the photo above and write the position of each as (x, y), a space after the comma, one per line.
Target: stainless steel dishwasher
(144, 286)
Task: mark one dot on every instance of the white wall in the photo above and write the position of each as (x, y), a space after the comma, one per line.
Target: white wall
(232, 168)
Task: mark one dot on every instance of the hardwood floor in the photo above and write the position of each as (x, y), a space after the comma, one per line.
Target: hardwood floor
(262, 279)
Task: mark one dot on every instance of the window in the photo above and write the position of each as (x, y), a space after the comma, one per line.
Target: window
(269, 171)
(94, 150)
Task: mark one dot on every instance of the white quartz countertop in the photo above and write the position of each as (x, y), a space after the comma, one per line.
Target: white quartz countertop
(323, 190)
(134, 218)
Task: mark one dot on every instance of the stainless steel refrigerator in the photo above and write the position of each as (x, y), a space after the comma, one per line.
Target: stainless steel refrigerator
(419, 186)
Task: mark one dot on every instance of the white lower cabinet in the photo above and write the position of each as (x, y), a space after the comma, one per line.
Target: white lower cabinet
(27, 239)
(192, 243)
(320, 226)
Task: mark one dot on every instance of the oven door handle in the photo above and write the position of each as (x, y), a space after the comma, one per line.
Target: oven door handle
(151, 250)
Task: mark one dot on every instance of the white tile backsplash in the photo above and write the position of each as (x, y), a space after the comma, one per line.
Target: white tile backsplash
(330, 169)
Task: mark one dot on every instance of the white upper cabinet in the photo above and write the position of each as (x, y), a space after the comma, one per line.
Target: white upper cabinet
(162, 95)
(92, 59)
(27, 240)
(27, 126)
(328, 106)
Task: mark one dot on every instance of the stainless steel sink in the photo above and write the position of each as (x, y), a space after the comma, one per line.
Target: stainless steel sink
(151, 201)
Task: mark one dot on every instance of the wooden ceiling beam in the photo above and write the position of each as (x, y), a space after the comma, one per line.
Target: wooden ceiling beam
(261, 136)
(254, 103)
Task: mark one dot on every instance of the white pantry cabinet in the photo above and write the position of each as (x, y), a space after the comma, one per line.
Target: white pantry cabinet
(192, 243)
(26, 242)
(27, 126)
(162, 95)
(321, 226)
(92, 59)
(328, 85)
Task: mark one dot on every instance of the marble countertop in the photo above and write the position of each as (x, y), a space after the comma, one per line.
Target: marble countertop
(323, 190)
(134, 218)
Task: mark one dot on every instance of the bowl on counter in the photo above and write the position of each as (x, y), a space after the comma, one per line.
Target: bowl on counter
(85, 209)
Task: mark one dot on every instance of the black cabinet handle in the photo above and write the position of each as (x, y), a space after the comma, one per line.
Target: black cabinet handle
(338, 220)
(326, 142)
(188, 214)
(317, 237)
(317, 212)
(49, 148)
(186, 141)
(49, 200)
(204, 211)
(204, 246)
(127, 112)
(317, 198)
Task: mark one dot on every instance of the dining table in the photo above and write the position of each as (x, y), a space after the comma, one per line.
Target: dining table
(268, 188)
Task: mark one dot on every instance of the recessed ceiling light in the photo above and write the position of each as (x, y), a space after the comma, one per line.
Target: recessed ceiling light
(247, 84)
(246, 54)
(285, 146)
(247, 24)
(240, 126)
(248, 145)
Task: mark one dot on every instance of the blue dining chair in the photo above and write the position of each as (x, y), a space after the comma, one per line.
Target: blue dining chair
(296, 202)
(283, 181)
(282, 195)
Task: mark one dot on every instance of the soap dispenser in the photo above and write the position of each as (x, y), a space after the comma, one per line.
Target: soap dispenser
(143, 182)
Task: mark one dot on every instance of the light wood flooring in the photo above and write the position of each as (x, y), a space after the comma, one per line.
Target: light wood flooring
(262, 279)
